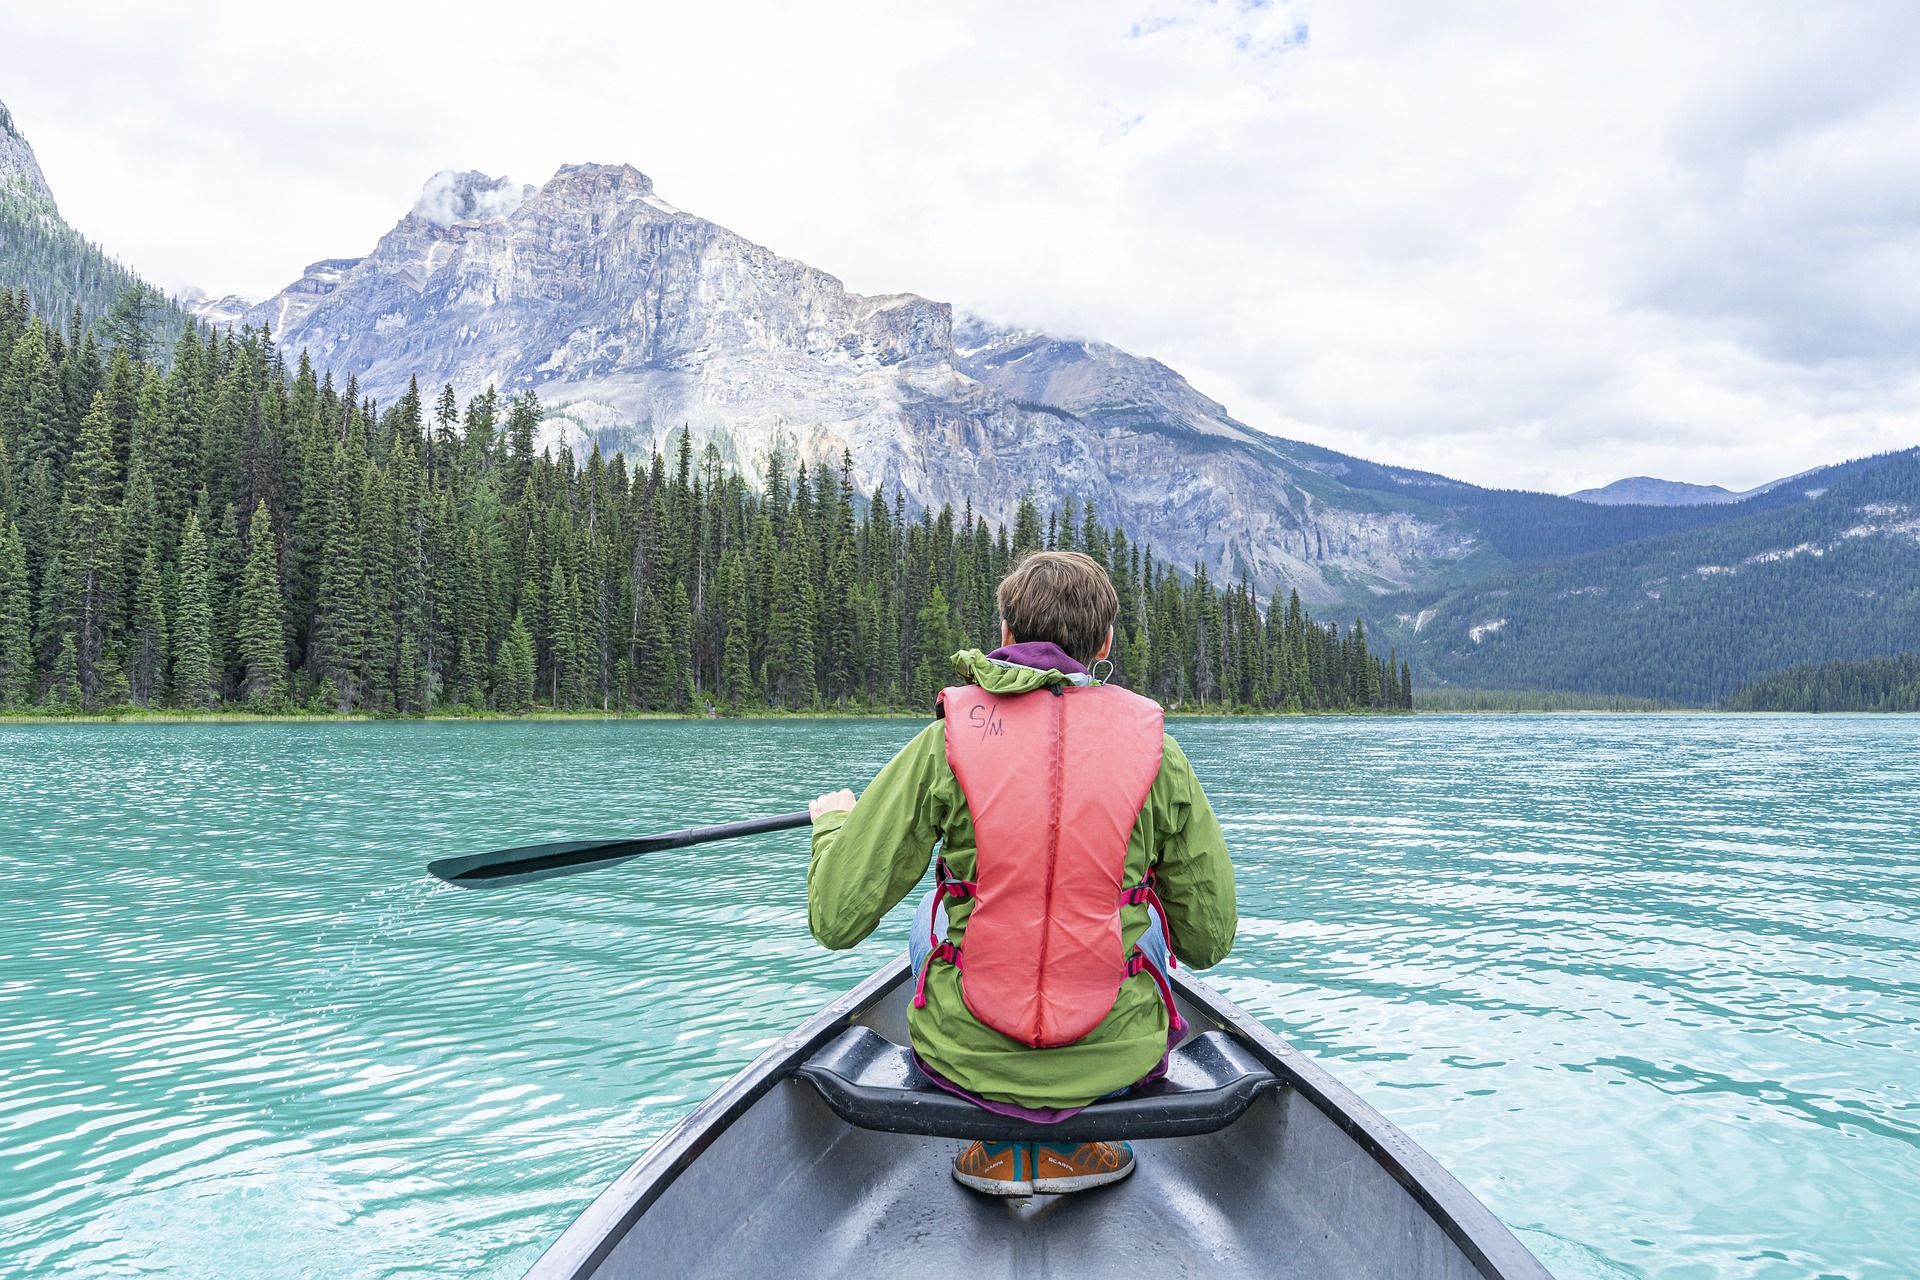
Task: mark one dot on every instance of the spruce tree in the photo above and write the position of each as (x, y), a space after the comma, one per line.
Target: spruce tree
(63, 681)
(378, 597)
(90, 604)
(16, 631)
(339, 648)
(40, 430)
(841, 658)
(193, 669)
(1026, 527)
(262, 626)
(513, 670)
(789, 664)
(655, 674)
(934, 644)
(736, 664)
(563, 630)
(146, 662)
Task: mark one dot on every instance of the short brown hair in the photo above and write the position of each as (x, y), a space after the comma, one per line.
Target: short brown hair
(1061, 596)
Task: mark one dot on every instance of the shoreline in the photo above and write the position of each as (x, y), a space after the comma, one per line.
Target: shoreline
(140, 717)
(560, 717)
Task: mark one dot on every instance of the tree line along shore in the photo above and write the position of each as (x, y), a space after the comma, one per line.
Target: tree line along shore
(208, 529)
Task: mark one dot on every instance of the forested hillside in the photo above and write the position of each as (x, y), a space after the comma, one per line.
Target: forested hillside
(65, 274)
(230, 531)
(1864, 684)
(1692, 616)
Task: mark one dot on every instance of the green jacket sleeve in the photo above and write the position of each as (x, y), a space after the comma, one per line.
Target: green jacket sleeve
(1194, 873)
(865, 861)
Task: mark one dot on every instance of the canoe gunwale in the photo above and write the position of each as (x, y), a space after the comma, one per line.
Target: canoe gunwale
(599, 1229)
(1470, 1224)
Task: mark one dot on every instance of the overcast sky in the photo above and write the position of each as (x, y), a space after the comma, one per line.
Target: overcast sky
(1528, 245)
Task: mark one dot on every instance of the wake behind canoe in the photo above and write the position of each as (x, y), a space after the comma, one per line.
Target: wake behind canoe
(828, 1157)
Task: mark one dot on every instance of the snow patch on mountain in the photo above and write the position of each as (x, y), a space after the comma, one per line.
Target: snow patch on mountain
(214, 311)
(1887, 519)
(1776, 555)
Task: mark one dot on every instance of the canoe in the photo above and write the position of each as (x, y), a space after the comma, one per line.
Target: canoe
(829, 1156)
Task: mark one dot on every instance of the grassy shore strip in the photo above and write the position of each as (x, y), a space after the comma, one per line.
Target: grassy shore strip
(138, 715)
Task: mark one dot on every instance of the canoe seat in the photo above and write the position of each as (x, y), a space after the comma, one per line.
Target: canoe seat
(871, 1083)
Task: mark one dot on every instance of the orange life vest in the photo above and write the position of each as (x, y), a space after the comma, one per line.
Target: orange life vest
(1054, 780)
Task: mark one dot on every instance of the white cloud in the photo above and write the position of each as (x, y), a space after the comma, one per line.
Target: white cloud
(450, 196)
(1522, 244)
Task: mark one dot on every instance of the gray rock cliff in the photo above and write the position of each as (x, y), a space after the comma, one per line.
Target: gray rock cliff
(630, 318)
(18, 167)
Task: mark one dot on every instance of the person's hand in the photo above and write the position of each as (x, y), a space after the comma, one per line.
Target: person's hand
(840, 801)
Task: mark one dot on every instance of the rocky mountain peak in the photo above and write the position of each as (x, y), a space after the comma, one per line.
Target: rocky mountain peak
(585, 179)
(18, 166)
(633, 320)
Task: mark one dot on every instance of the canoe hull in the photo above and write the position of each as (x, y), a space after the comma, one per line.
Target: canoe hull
(1309, 1182)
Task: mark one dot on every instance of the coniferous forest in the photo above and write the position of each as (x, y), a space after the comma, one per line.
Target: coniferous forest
(218, 530)
(1857, 684)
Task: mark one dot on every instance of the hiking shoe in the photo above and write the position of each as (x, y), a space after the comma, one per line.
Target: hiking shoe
(1060, 1167)
(996, 1168)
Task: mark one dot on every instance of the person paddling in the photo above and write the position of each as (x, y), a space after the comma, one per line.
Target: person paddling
(1079, 858)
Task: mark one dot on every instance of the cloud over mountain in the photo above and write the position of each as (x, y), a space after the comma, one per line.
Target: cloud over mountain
(1529, 245)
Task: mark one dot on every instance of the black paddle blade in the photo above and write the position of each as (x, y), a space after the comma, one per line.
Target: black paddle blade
(564, 858)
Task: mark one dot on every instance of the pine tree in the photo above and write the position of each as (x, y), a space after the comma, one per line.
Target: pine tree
(40, 431)
(339, 648)
(679, 627)
(563, 630)
(473, 615)
(934, 643)
(90, 559)
(262, 626)
(16, 632)
(63, 681)
(193, 621)
(1026, 527)
(736, 665)
(513, 670)
(379, 595)
(841, 658)
(147, 635)
(7, 507)
(789, 664)
(225, 564)
(656, 672)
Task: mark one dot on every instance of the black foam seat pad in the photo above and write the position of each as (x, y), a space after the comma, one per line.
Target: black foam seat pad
(871, 1083)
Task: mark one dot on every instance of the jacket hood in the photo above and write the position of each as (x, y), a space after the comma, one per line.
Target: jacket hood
(997, 673)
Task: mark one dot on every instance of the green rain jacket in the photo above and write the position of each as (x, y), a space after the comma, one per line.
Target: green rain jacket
(865, 861)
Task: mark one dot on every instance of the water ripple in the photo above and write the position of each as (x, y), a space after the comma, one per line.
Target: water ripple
(1647, 985)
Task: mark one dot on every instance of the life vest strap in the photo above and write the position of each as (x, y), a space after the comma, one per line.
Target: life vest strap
(1145, 893)
(946, 885)
(945, 951)
(1137, 963)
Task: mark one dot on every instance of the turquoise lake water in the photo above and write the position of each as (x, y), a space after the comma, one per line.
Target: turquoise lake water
(1650, 986)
